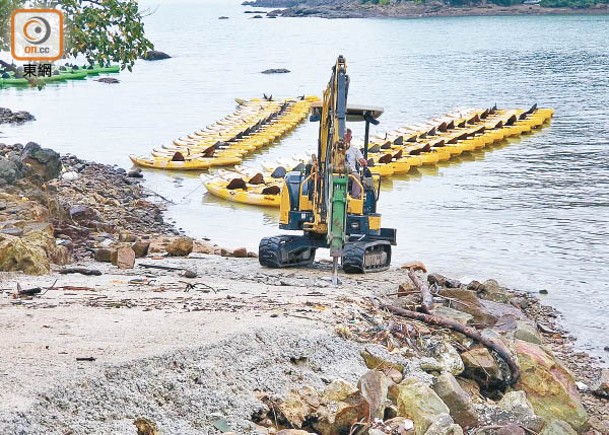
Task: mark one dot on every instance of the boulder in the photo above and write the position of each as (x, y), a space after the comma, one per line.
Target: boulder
(516, 404)
(125, 257)
(240, 252)
(526, 331)
(393, 374)
(81, 212)
(180, 247)
(500, 309)
(43, 161)
(109, 80)
(7, 116)
(456, 315)
(378, 357)
(470, 304)
(472, 388)
(204, 247)
(499, 417)
(601, 386)
(550, 388)
(458, 401)
(506, 324)
(482, 367)
(31, 253)
(156, 55)
(447, 356)
(15, 255)
(10, 171)
(442, 281)
(374, 386)
(558, 427)
(338, 390)
(140, 248)
(444, 425)
(298, 405)
(103, 255)
(343, 406)
(135, 173)
(419, 403)
(275, 70)
(491, 290)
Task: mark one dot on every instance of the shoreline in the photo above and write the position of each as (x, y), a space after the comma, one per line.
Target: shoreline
(411, 11)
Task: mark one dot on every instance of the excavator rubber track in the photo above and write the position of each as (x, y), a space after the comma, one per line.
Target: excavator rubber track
(364, 257)
(284, 251)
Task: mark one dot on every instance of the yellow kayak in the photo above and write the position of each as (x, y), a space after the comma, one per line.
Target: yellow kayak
(229, 141)
(253, 194)
(185, 165)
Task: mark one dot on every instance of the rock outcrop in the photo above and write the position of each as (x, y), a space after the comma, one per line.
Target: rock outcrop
(549, 386)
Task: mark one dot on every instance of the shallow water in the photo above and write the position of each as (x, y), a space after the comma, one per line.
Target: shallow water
(532, 213)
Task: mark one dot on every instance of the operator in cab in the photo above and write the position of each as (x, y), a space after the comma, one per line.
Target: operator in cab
(355, 159)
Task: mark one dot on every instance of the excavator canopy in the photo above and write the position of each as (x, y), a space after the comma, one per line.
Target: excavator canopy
(355, 113)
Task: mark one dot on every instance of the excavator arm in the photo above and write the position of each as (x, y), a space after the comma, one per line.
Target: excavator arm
(331, 176)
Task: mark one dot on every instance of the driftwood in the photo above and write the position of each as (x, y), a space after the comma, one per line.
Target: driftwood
(75, 288)
(422, 286)
(81, 270)
(32, 291)
(85, 358)
(472, 333)
(28, 291)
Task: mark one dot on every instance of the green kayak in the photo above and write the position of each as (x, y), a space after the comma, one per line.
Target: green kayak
(66, 74)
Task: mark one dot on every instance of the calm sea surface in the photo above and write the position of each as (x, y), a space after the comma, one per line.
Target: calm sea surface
(533, 213)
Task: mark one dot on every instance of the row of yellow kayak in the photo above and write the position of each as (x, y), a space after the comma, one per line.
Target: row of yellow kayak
(255, 124)
(395, 152)
(443, 138)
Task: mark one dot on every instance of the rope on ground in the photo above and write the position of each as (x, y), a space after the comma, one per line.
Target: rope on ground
(159, 195)
(193, 191)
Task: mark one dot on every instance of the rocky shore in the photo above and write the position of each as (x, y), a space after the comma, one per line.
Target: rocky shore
(114, 322)
(244, 350)
(356, 9)
(61, 209)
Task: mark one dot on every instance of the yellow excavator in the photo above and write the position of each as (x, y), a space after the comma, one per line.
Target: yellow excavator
(317, 199)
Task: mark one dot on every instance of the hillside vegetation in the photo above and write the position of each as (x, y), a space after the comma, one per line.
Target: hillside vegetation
(544, 3)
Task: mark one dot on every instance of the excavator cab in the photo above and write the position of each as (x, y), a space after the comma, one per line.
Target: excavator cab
(317, 199)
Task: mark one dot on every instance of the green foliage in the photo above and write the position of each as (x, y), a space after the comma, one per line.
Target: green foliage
(102, 31)
(6, 9)
(507, 2)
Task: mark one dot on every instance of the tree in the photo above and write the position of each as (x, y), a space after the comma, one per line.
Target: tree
(102, 31)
